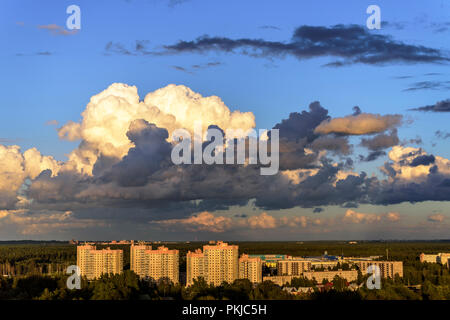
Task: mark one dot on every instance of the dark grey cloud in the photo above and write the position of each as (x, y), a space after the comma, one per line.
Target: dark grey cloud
(372, 156)
(352, 43)
(403, 77)
(416, 140)
(269, 27)
(297, 134)
(393, 24)
(439, 27)
(150, 153)
(423, 160)
(440, 106)
(196, 67)
(38, 53)
(429, 85)
(442, 135)
(147, 184)
(182, 69)
(381, 141)
(356, 110)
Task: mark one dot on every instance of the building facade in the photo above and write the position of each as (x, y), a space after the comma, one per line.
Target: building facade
(388, 269)
(430, 258)
(293, 267)
(194, 266)
(250, 268)
(93, 263)
(319, 276)
(139, 259)
(441, 258)
(157, 265)
(163, 263)
(216, 264)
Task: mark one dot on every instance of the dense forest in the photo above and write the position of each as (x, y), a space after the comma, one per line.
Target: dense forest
(37, 271)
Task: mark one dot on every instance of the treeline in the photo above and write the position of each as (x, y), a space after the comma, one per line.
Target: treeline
(128, 286)
(29, 259)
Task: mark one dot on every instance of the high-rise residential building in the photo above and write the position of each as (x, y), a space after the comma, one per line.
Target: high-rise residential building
(195, 263)
(139, 259)
(221, 263)
(93, 263)
(250, 268)
(159, 264)
(388, 269)
(216, 264)
(293, 266)
(164, 263)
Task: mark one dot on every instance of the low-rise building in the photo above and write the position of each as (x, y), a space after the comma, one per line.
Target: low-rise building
(280, 280)
(430, 258)
(293, 266)
(441, 257)
(319, 276)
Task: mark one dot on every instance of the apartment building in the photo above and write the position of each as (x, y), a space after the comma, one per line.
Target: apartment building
(93, 263)
(139, 259)
(195, 263)
(388, 269)
(430, 258)
(163, 263)
(216, 264)
(349, 275)
(441, 258)
(293, 266)
(250, 268)
(159, 264)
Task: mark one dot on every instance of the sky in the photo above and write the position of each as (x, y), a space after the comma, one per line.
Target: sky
(87, 118)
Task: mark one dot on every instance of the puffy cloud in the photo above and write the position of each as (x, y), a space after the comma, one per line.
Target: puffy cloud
(360, 124)
(359, 217)
(204, 221)
(108, 115)
(263, 221)
(27, 223)
(123, 161)
(208, 222)
(415, 164)
(438, 217)
(16, 167)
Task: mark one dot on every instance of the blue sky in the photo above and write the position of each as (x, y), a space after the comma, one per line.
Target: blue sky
(37, 88)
